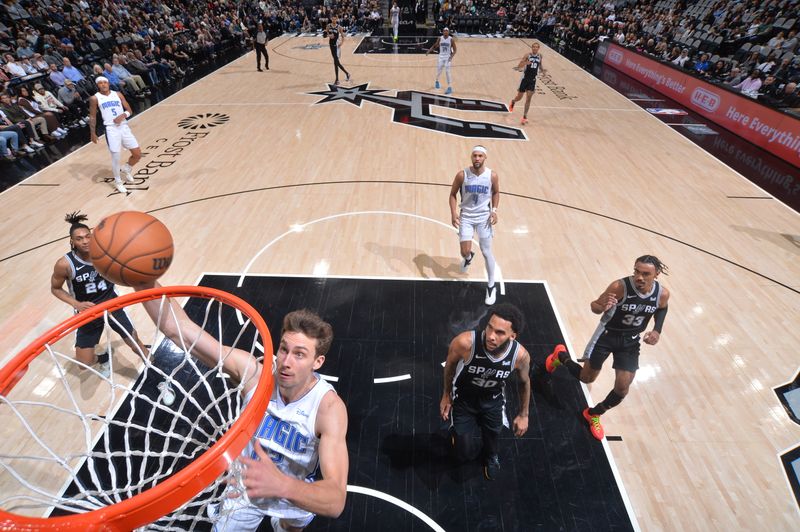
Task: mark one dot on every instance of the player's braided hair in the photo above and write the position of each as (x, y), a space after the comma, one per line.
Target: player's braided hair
(75, 221)
(652, 259)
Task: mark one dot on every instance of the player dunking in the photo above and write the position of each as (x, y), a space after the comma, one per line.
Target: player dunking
(335, 39)
(86, 289)
(115, 112)
(447, 50)
(627, 306)
(530, 65)
(479, 188)
(478, 364)
(394, 15)
(282, 474)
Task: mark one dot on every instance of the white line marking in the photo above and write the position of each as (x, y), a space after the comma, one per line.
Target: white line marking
(686, 124)
(384, 380)
(300, 227)
(397, 502)
(625, 499)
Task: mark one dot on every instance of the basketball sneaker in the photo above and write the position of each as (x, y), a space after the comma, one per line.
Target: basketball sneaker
(523, 121)
(511, 107)
(104, 369)
(126, 173)
(436, 85)
(120, 187)
(594, 425)
(554, 359)
(491, 470)
(347, 78)
(467, 261)
(491, 294)
(449, 90)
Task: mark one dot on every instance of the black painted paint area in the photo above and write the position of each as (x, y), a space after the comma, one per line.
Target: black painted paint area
(556, 477)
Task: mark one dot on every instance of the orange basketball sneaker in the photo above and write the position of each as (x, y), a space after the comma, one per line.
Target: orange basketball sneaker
(554, 360)
(594, 425)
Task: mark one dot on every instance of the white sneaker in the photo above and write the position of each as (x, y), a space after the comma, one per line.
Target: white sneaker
(28, 149)
(467, 261)
(63, 131)
(120, 187)
(491, 294)
(36, 144)
(104, 369)
(126, 173)
(82, 122)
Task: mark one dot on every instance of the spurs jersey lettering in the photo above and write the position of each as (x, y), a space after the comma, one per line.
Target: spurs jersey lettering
(110, 107)
(85, 283)
(633, 312)
(289, 436)
(476, 195)
(445, 47)
(483, 372)
(532, 69)
(333, 34)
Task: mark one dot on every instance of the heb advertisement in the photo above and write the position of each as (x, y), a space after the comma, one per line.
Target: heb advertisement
(773, 131)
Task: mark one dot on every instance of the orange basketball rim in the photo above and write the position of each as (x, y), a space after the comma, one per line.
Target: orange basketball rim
(168, 495)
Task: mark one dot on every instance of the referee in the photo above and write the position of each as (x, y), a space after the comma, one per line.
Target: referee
(260, 44)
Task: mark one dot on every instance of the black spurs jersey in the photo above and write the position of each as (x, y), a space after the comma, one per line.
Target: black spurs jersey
(633, 312)
(333, 34)
(532, 69)
(85, 284)
(482, 372)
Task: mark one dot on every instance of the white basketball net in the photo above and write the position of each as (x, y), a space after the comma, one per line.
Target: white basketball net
(66, 425)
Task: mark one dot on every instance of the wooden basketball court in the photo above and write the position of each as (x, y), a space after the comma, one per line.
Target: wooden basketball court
(254, 176)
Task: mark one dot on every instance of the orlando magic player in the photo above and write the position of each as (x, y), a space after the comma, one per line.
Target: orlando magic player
(115, 112)
(447, 50)
(478, 364)
(85, 289)
(627, 306)
(301, 435)
(479, 188)
(530, 66)
(335, 39)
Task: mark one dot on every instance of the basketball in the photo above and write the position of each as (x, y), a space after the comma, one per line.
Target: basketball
(130, 247)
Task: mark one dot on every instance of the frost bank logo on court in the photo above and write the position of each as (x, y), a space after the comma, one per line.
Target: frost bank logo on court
(413, 108)
(204, 121)
(705, 99)
(615, 56)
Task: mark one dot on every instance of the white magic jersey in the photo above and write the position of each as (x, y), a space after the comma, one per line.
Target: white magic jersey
(288, 434)
(110, 107)
(445, 46)
(476, 195)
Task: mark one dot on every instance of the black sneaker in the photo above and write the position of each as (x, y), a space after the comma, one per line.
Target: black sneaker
(491, 470)
(467, 261)
(491, 295)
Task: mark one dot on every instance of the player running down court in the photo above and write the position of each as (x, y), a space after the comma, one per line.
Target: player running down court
(280, 476)
(479, 188)
(529, 65)
(115, 112)
(627, 306)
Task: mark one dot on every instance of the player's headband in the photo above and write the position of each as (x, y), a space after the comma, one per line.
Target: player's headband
(98, 79)
(445, 29)
(480, 149)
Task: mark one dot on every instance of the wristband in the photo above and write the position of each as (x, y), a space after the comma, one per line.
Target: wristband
(127, 114)
(494, 209)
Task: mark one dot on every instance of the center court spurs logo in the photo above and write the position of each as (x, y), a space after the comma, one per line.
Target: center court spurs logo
(203, 121)
(414, 108)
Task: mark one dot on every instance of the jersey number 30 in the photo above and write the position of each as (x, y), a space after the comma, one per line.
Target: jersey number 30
(484, 383)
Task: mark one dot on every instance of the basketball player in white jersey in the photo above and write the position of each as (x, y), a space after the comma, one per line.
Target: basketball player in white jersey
(280, 471)
(447, 50)
(394, 15)
(115, 112)
(480, 195)
(529, 65)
